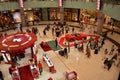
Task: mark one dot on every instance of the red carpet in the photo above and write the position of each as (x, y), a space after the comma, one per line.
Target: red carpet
(45, 46)
(25, 73)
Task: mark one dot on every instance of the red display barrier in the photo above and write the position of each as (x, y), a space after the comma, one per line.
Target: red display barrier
(71, 75)
(17, 43)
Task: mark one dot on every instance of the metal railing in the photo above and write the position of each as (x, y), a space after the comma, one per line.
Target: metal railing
(114, 2)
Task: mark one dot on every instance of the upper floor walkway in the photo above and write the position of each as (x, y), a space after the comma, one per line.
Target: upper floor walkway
(108, 7)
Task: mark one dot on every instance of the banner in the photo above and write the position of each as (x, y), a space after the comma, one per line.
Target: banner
(21, 3)
(59, 2)
(97, 4)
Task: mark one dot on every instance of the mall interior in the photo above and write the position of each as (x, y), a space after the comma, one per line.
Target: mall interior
(30, 48)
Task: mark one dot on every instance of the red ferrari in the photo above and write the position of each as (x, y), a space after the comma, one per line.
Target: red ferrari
(75, 36)
(79, 36)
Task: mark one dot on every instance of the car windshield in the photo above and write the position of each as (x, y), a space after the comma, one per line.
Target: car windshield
(76, 34)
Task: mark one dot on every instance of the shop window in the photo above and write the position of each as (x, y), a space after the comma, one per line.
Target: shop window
(54, 14)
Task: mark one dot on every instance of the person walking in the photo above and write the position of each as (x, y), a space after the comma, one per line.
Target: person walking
(1, 75)
(105, 62)
(56, 43)
(102, 42)
(68, 46)
(35, 59)
(96, 50)
(44, 32)
(105, 53)
(82, 48)
(115, 56)
(10, 71)
(112, 29)
(65, 52)
(118, 62)
(88, 52)
(73, 30)
(118, 50)
(110, 62)
(53, 30)
(112, 50)
(40, 67)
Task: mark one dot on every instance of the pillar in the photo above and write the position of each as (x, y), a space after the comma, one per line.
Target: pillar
(23, 23)
(100, 21)
(78, 15)
(44, 14)
(61, 15)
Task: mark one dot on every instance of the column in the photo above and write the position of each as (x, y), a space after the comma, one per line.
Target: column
(23, 23)
(78, 15)
(100, 21)
(62, 15)
(44, 14)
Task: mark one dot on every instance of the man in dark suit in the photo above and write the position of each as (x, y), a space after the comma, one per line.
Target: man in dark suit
(65, 52)
(56, 43)
(1, 75)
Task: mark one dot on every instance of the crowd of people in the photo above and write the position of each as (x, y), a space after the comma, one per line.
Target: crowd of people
(57, 30)
(110, 56)
(95, 45)
(6, 21)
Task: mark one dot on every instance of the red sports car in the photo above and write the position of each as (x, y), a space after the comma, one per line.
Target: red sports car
(80, 36)
(75, 36)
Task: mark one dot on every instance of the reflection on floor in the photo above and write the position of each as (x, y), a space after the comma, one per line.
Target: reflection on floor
(86, 68)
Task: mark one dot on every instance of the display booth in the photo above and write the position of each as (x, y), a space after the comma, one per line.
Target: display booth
(49, 63)
(15, 73)
(71, 75)
(15, 44)
(33, 69)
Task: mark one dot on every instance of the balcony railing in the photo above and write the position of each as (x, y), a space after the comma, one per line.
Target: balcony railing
(114, 2)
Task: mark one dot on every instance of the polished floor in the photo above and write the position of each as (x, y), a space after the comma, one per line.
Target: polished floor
(87, 68)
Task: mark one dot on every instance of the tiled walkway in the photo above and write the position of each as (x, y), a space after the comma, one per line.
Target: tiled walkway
(86, 68)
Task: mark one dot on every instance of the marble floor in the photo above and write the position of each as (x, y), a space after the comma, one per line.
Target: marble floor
(87, 68)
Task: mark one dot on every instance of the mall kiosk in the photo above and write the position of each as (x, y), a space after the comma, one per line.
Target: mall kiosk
(49, 63)
(71, 75)
(33, 68)
(15, 73)
(15, 44)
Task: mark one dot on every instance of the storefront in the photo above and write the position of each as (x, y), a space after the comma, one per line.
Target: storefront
(71, 14)
(54, 14)
(6, 20)
(89, 16)
(33, 16)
